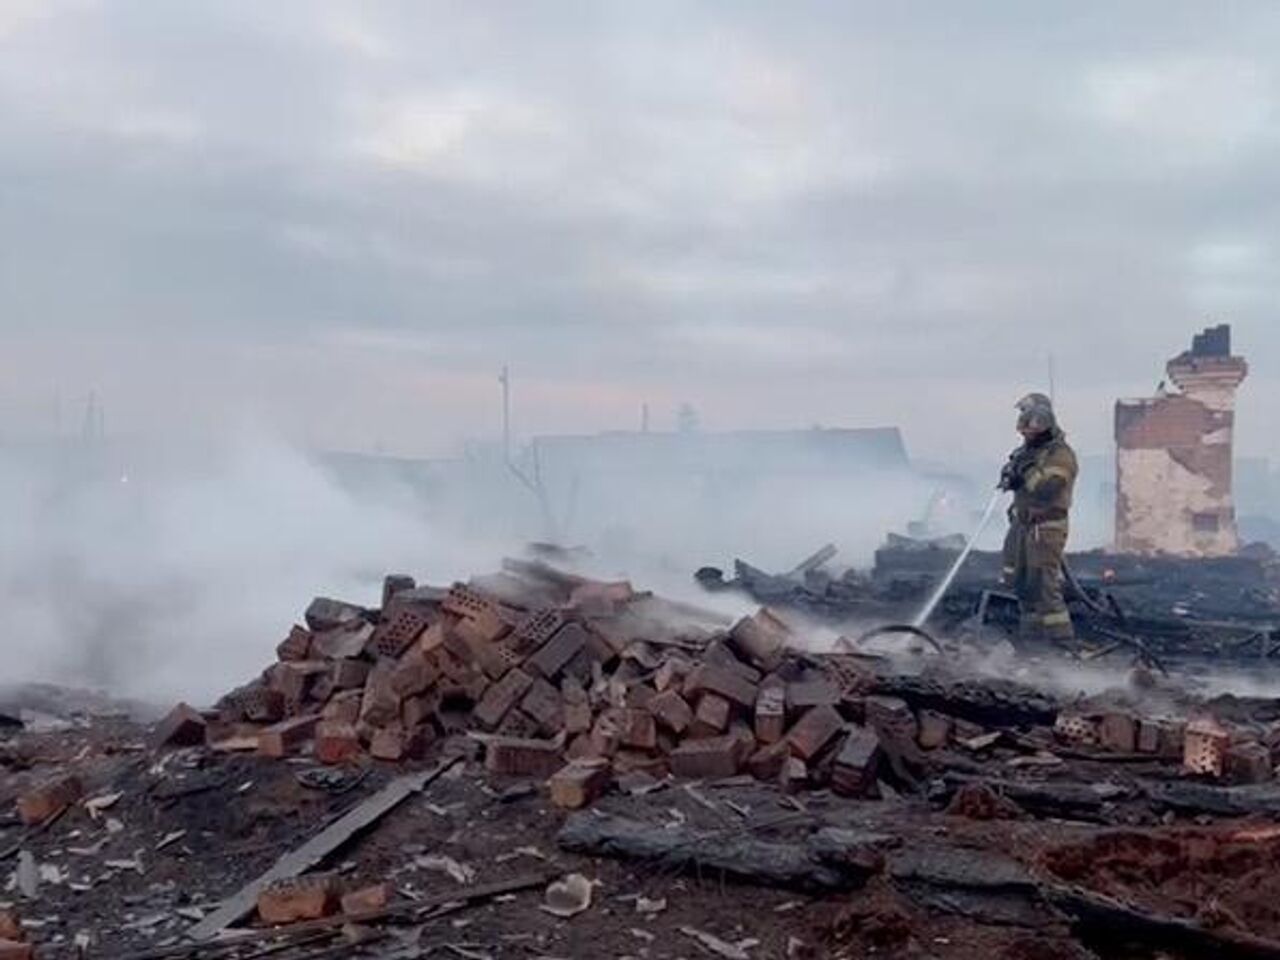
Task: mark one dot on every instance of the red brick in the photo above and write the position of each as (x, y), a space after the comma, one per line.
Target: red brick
(579, 783)
(518, 725)
(794, 776)
(295, 680)
(760, 639)
(1118, 732)
(637, 729)
(286, 737)
(309, 897)
(522, 757)
(10, 926)
(935, 730)
(1148, 736)
(16, 950)
(183, 726)
(543, 704)
(554, 655)
(366, 900)
(606, 734)
(598, 598)
(892, 718)
(813, 731)
(539, 627)
(805, 694)
(855, 769)
(712, 715)
(296, 646)
(345, 674)
(771, 713)
(1248, 763)
(396, 743)
(722, 681)
(49, 798)
(708, 759)
(262, 704)
(337, 743)
(343, 708)
(501, 697)
(717, 653)
(414, 672)
(672, 711)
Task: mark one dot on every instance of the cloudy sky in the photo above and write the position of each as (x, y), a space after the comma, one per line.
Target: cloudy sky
(341, 219)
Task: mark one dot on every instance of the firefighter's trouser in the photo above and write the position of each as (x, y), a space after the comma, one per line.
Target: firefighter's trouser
(1033, 568)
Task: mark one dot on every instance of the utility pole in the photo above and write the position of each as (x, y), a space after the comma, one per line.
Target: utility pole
(504, 378)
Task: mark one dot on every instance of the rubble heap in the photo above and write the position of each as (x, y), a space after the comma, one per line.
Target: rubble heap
(547, 669)
(589, 683)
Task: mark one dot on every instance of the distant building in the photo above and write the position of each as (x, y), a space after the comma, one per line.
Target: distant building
(1174, 456)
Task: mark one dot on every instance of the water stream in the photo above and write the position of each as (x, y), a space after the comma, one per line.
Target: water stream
(941, 590)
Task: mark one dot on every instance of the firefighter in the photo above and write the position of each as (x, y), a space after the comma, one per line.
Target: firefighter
(1041, 474)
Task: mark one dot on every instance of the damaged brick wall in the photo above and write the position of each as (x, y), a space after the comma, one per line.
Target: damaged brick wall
(1174, 457)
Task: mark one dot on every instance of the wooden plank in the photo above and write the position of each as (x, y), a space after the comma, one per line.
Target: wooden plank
(318, 848)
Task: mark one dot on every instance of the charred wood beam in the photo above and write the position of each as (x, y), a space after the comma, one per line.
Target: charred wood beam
(993, 702)
(818, 864)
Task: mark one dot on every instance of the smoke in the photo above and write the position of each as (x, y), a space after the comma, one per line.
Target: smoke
(173, 573)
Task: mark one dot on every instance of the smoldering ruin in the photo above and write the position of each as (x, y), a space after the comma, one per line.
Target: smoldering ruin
(541, 761)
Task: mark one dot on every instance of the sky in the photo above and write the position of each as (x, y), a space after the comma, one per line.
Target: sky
(340, 220)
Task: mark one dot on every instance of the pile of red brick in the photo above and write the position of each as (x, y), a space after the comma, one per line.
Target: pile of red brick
(579, 680)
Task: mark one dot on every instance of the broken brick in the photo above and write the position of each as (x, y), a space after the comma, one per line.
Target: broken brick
(892, 718)
(286, 737)
(606, 734)
(1118, 732)
(343, 708)
(518, 725)
(760, 639)
(671, 674)
(522, 757)
(637, 729)
(296, 646)
(49, 798)
(337, 743)
(326, 614)
(708, 678)
(392, 585)
(346, 642)
(672, 711)
(767, 762)
(309, 897)
(579, 783)
(294, 680)
(813, 731)
(578, 717)
(10, 927)
(771, 713)
(366, 900)
(935, 730)
(381, 704)
(183, 726)
(501, 697)
(711, 758)
(16, 950)
(552, 657)
(420, 710)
